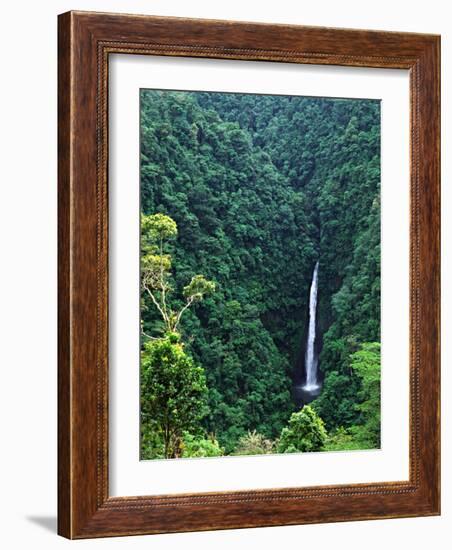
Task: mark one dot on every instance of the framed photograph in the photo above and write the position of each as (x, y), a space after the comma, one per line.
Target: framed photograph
(248, 275)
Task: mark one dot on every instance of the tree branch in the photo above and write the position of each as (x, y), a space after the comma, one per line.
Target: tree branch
(148, 335)
(162, 281)
(190, 300)
(157, 305)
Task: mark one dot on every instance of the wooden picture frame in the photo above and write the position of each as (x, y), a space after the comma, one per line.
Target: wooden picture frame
(86, 40)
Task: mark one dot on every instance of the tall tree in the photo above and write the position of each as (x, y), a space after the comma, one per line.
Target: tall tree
(173, 391)
(156, 271)
(305, 432)
(173, 387)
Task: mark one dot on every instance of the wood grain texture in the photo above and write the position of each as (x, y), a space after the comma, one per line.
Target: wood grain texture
(85, 42)
(64, 294)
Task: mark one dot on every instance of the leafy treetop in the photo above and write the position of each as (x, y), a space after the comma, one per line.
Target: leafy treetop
(156, 229)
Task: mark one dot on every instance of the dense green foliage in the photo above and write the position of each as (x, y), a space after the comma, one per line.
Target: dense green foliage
(260, 187)
(254, 443)
(193, 446)
(365, 363)
(156, 229)
(365, 434)
(173, 392)
(304, 432)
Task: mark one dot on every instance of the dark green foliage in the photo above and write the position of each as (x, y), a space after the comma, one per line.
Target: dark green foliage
(172, 396)
(365, 363)
(336, 403)
(305, 432)
(260, 187)
(365, 432)
(356, 314)
(151, 444)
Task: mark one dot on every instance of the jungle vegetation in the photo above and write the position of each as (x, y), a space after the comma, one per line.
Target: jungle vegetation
(241, 194)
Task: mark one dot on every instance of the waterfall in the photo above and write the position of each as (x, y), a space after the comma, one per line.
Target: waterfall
(310, 358)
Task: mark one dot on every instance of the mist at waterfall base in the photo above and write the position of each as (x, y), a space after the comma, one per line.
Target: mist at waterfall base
(311, 385)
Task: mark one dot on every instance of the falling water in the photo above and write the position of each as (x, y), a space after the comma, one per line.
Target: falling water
(310, 358)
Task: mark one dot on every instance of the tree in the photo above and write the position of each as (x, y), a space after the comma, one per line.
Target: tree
(366, 364)
(341, 439)
(193, 446)
(364, 433)
(304, 432)
(336, 403)
(254, 443)
(173, 392)
(156, 271)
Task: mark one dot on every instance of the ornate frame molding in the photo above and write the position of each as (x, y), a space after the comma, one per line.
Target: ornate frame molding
(85, 42)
